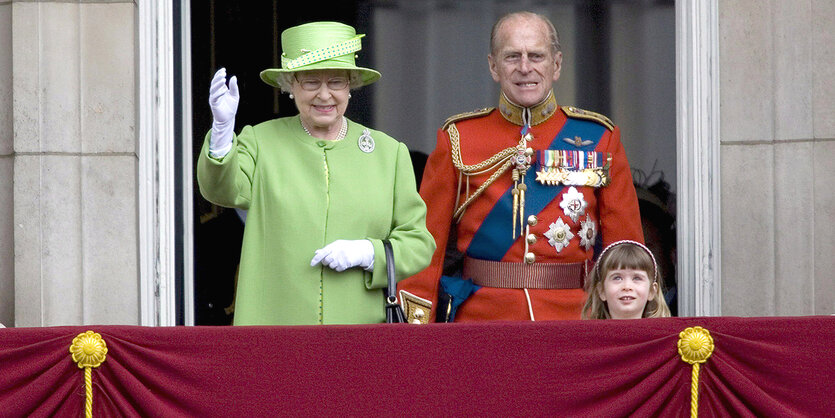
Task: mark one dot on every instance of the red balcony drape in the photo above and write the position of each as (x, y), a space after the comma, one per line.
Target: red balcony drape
(760, 367)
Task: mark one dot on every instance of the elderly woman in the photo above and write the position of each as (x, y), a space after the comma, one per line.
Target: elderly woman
(321, 191)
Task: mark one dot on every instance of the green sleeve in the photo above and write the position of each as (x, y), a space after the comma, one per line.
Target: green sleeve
(412, 244)
(227, 181)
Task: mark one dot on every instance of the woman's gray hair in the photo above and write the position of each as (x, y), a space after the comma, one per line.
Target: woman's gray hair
(285, 80)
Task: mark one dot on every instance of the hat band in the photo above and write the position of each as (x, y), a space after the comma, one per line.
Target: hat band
(333, 51)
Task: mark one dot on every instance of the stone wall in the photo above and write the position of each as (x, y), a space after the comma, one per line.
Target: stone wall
(74, 163)
(7, 290)
(777, 69)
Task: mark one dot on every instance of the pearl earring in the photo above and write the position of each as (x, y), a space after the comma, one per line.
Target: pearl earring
(292, 97)
(349, 95)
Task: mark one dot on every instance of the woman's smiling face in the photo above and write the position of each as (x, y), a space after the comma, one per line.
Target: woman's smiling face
(321, 99)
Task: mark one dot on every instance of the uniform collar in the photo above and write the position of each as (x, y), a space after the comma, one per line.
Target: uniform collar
(539, 113)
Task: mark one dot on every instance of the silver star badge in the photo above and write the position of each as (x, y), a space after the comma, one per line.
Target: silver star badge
(588, 232)
(559, 235)
(573, 204)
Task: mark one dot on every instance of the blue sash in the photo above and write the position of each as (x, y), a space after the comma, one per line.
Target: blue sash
(494, 237)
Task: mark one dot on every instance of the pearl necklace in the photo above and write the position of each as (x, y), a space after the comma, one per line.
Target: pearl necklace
(343, 130)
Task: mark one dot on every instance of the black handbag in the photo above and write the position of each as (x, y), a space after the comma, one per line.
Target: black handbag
(394, 312)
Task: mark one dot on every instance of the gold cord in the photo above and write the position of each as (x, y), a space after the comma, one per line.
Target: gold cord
(89, 350)
(695, 346)
(500, 162)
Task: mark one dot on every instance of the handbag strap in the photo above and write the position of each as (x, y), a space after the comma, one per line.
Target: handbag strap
(391, 293)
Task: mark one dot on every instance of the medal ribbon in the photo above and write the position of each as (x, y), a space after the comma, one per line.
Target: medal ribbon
(570, 159)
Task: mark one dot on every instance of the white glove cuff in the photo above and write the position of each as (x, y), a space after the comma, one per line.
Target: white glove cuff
(220, 141)
(368, 260)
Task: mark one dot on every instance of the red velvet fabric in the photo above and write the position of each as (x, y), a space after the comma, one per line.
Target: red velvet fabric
(760, 367)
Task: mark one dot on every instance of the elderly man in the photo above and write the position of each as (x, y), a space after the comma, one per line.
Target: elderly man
(520, 196)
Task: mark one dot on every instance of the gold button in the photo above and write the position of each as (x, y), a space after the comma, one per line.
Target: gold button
(532, 220)
(531, 239)
(530, 258)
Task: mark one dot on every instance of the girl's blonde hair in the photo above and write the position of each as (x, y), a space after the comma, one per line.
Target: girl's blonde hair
(623, 255)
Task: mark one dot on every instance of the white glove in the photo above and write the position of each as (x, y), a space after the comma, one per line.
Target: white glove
(344, 254)
(224, 103)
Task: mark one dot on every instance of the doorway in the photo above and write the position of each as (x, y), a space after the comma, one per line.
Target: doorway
(243, 37)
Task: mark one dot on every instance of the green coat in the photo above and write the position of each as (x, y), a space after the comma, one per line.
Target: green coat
(301, 194)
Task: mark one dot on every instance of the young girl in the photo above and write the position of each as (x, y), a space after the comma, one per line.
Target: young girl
(624, 284)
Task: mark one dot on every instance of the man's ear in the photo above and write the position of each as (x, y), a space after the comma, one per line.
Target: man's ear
(558, 65)
(494, 72)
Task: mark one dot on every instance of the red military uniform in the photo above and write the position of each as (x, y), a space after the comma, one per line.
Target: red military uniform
(494, 224)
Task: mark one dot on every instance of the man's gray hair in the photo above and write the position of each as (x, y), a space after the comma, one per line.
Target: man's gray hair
(552, 31)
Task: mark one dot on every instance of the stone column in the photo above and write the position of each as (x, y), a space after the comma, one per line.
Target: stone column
(75, 163)
(6, 169)
(778, 176)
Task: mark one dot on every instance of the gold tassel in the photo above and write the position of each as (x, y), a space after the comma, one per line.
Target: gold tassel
(89, 350)
(695, 345)
(515, 193)
(522, 188)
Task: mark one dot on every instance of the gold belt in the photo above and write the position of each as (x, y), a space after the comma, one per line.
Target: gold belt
(526, 276)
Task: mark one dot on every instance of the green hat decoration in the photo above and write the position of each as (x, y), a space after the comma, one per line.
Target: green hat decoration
(319, 46)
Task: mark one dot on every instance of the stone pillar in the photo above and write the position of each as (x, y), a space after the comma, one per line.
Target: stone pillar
(6, 169)
(75, 163)
(778, 180)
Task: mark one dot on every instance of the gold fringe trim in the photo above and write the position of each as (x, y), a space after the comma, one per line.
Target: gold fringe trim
(695, 345)
(89, 350)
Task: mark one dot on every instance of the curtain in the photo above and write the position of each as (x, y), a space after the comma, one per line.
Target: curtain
(760, 367)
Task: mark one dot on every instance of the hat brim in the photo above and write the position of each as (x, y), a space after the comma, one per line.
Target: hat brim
(367, 75)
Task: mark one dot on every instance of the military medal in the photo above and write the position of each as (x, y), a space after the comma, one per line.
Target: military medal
(366, 142)
(559, 235)
(573, 168)
(588, 233)
(573, 204)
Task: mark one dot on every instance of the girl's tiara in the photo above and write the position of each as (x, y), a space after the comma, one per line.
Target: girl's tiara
(654, 264)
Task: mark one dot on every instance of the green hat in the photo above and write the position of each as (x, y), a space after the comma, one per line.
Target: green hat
(319, 46)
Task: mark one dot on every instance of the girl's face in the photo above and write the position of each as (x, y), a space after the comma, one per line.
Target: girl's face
(627, 291)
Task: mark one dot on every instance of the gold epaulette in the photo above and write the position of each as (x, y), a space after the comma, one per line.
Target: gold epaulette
(467, 115)
(576, 112)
